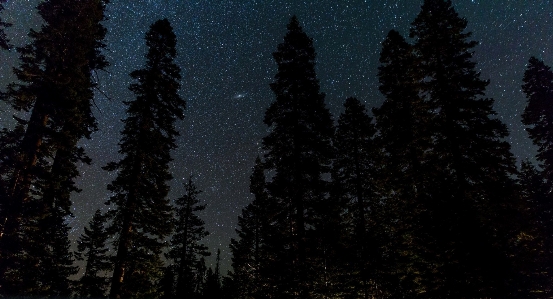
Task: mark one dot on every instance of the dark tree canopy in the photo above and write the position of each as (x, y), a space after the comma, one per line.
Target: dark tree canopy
(404, 138)
(538, 114)
(55, 88)
(355, 192)
(471, 185)
(142, 216)
(422, 201)
(298, 153)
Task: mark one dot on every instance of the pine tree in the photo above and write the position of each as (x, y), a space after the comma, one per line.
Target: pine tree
(298, 154)
(167, 283)
(228, 287)
(533, 255)
(213, 286)
(199, 276)
(55, 86)
(355, 179)
(473, 190)
(404, 139)
(249, 255)
(92, 248)
(187, 251)
(7, 142)
(538, 117)
(4, 41)
(57, 266)
(141, 216)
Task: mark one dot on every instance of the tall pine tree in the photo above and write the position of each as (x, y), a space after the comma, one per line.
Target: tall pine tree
(141, 216)
(472, 190)
(56, 88)
(298, 154)
(187, 252)
(355, 182)
(404, 139)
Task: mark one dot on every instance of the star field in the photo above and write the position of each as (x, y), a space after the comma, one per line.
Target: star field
(225, 52)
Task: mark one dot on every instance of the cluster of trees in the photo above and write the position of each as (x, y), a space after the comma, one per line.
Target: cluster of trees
(38, 158)
(38, 166)
(421, 200)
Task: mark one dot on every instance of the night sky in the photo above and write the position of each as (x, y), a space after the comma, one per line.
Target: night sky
(225, 52)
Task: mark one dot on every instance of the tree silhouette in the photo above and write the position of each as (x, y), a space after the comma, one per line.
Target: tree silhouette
(299, 153)
(55, 88)
(141, 218)
(249, 253)
(538, 117)
(472, 191)
(403, 122)
(355, 178)
(213, 287)
(92, 248)
(187, 251)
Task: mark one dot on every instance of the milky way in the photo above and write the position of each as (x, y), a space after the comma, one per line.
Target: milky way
(225, 54)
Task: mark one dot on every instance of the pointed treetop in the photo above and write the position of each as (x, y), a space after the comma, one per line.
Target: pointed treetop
(161, 35)
(294, 24)
(538, 114)
(394, 37)
(296, 43)
(537, 78)
(393, 43)
(436, 8)
(438, 16)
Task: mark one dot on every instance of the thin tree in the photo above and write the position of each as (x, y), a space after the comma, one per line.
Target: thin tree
(187, 252)
(533, 254)
(92, 248)
(213, 285)
(167, 283)
(355, 172)
(4, 40)
(249, 256)
(141, 216)
(538, 117)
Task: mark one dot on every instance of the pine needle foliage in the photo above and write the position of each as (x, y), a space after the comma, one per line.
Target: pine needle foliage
(141, 215)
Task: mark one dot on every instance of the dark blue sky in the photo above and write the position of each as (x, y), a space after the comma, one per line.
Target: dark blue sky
(225, 54)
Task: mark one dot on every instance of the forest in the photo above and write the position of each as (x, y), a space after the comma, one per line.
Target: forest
(418, 198)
